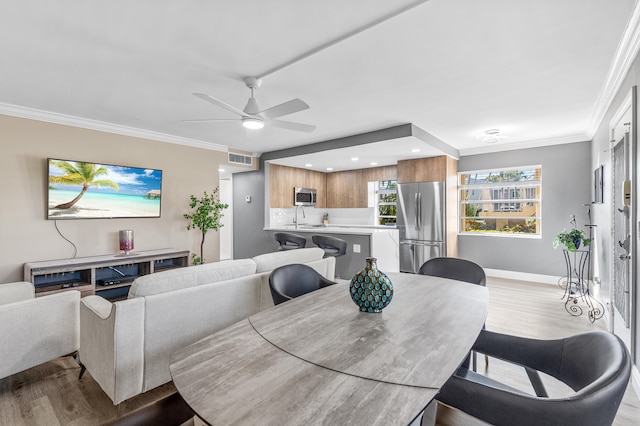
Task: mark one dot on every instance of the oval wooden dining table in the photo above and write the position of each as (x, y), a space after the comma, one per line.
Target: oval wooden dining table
(318, 360)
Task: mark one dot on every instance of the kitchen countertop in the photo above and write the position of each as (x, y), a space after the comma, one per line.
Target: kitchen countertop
(333, 229)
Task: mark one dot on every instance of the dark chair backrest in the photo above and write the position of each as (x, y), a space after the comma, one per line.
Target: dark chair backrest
(289, 241)
(596, 365)
(290, 281)
(455, 269)
(170, 410)
(331, 245)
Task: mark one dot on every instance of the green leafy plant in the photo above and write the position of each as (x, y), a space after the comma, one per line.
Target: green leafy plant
(207, 215)
(571, 239)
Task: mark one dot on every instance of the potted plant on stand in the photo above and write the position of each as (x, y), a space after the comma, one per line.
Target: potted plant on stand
(207, 215)
(572, 240)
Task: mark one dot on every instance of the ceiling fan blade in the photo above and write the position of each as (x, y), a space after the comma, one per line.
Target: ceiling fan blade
(205, 120)
(224, 105)
(293, 126)
(285, 108)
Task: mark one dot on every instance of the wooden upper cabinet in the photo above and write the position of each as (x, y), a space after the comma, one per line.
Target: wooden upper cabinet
(342, 189)
(283, 179)
(349, 189)
(318, 181)
(430, 169)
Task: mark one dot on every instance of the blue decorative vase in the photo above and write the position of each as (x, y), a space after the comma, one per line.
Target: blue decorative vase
(371, 289)
(577, 241)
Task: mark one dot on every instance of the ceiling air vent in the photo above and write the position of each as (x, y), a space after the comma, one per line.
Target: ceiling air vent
(240, 159)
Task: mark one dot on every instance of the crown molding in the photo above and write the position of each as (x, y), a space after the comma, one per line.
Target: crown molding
(626, 53)
(500, 147)
(101, 126)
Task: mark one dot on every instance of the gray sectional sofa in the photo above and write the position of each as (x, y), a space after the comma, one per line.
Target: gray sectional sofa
(126, 345)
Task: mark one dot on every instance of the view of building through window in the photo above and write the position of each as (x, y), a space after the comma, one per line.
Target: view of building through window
(386, 199)
(501, 201)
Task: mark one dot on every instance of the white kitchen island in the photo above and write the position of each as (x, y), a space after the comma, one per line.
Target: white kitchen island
(362, 241)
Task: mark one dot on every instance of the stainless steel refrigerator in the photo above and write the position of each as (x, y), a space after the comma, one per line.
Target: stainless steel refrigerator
(421, 223)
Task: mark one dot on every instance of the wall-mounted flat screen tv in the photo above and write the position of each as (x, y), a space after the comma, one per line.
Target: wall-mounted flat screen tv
(81, 190)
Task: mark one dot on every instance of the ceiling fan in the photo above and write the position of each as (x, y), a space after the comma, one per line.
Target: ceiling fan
(253, 117)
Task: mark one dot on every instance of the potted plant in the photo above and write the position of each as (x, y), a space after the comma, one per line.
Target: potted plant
(571, 239)
(207, 215)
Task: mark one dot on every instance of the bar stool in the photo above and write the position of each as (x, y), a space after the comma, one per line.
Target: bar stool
(332, 246)
(289, 241)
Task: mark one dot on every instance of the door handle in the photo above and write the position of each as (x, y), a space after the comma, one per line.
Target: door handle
(416, 224)
(625, 244)
(419, 211)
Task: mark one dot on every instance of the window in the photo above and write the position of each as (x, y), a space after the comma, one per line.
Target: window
(501, 202)
(386, 197)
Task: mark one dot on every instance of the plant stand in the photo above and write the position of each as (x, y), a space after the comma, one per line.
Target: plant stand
(576, 285)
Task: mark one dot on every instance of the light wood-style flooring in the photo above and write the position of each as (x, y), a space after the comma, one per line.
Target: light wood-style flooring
(51, 394)
(537, 311)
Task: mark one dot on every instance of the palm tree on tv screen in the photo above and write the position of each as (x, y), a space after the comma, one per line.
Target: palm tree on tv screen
(84, 174)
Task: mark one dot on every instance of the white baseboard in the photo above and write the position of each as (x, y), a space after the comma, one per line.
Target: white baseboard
(635, 379)
(522, 276)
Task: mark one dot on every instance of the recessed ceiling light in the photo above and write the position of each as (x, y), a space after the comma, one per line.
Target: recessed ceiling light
(308, 165)
(354, 158)
(374, 163)
(415, 150)
(329, 168)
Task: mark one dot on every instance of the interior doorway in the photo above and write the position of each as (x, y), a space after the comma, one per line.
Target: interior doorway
(226, 232)
(623, 217)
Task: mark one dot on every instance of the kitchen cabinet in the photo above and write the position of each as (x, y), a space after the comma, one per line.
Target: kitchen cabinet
(430, 169)
(346, 189)
(283, 179)
(342, 189)
(349, 188)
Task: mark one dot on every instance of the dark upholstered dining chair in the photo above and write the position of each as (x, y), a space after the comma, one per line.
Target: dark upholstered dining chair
(596, 365)
(171, 410)
(289, 241)
(460, 270)
(455, 269)
(290, 281)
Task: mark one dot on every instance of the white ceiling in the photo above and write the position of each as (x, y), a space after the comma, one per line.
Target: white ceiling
(537, 70)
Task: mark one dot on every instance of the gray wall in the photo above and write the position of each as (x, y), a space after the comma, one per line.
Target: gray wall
(566, 186)
(249, 238)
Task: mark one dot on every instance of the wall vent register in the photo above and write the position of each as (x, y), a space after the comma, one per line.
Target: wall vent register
(240, 159)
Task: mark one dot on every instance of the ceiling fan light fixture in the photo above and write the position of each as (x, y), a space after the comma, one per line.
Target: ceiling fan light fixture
(253, 123)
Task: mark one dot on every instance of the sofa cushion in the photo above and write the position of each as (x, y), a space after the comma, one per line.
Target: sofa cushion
(271, 261)
(191, 276)
(15, 292)
(177, 319)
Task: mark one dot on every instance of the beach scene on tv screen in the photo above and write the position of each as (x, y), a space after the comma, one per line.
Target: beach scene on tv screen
(80, 190)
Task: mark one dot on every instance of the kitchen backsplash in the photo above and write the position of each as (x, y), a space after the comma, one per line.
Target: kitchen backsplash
(313, 215)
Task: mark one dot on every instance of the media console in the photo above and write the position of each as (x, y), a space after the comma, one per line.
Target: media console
(109, 276)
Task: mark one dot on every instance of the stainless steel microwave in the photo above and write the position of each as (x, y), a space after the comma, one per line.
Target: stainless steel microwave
(304, 196)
